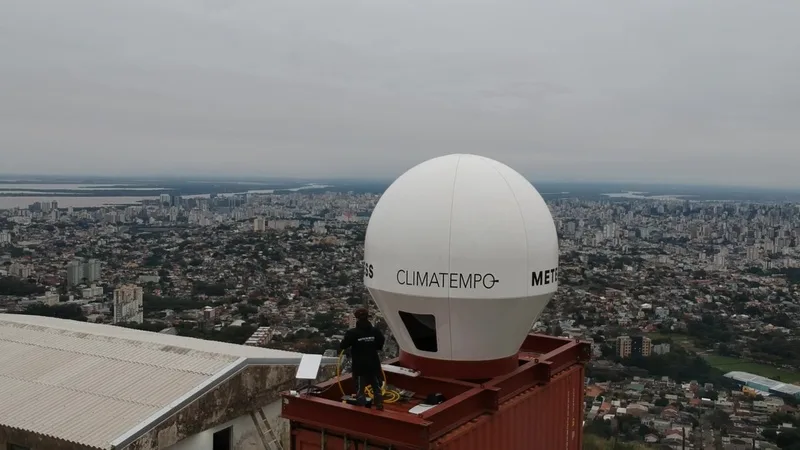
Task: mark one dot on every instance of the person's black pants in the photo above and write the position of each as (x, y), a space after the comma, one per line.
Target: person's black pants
(361, 383)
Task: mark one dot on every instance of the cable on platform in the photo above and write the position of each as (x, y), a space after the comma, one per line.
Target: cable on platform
(389, 395)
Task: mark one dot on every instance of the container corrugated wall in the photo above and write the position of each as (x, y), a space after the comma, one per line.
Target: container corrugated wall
(312, 440)
(309, 440)
(548, 417)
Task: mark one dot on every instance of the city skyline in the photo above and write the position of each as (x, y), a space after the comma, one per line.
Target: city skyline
(676, 92)
(681, 304)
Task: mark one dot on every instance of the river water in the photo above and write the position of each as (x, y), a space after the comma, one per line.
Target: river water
(93, 202)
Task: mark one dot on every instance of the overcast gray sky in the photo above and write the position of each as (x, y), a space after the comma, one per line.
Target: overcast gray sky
(669, 90)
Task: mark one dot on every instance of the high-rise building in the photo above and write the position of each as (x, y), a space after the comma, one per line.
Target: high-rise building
(628, 346)
(719, 260)
(641, 346)
(91, 270)
(259, 224)
(624, 346)
(77, 271)
(128, 304)
(74, 273)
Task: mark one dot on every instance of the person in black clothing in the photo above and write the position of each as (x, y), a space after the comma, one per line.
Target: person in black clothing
(364, 342)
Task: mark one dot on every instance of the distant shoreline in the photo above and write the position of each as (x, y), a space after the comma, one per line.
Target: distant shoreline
(19, 189)
(90, 196)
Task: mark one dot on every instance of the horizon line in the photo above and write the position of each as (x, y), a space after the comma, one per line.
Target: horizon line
(11, 177)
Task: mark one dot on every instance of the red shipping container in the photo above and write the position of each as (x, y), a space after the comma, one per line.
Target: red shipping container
(548, 417)
(538, 406)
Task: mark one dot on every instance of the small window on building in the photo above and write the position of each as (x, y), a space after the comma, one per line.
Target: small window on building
(17, 447)
(422, 329)
(222, 439)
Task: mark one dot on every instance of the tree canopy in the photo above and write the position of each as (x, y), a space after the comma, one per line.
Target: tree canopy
(17, 287)
(68, 311)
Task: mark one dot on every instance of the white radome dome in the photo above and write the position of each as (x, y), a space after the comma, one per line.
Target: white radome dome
(461, 257)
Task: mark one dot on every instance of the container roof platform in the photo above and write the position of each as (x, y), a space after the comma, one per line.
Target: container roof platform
(541, 400)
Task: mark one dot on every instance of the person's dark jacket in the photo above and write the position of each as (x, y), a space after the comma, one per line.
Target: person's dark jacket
(364, 342)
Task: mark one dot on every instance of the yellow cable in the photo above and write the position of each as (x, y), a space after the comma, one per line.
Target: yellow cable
(339, 372)
(389, 395)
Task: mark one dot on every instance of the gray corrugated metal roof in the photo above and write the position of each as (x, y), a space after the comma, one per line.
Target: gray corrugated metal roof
(740, 376)
(788, 389)
(775, 385)
(94, 384)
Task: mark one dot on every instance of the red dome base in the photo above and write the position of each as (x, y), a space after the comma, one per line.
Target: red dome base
(459, 370)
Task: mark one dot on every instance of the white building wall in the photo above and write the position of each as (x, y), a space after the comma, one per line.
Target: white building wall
(245, 436)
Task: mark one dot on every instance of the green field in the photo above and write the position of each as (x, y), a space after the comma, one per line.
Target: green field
(728, 364)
